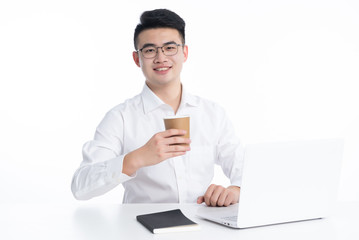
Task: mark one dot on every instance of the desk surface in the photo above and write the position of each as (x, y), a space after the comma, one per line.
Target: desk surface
(88, 221)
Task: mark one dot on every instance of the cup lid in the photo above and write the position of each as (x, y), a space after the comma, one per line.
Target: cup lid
(176, 116)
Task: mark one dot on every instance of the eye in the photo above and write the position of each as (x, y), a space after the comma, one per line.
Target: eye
(148, 50)
(171, 47)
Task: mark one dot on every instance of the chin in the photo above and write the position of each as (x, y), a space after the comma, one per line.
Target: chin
(161, 82)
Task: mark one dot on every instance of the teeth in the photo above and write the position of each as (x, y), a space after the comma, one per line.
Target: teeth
(161, 69)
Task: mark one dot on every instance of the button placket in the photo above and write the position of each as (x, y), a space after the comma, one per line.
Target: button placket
(180, 171)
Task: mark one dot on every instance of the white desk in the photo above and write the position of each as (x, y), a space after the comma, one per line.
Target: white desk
(87, 221)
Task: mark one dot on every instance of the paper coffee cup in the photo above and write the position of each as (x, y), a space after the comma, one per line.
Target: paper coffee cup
(178, 122)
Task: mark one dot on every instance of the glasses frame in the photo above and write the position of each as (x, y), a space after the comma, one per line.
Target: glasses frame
(170, 43)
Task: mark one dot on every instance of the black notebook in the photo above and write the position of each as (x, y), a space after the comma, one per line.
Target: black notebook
(168, 221)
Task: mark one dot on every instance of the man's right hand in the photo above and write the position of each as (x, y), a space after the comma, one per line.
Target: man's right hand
(159, 148)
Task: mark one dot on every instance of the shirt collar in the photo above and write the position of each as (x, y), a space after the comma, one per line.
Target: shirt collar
(151, 101)
(188, 98)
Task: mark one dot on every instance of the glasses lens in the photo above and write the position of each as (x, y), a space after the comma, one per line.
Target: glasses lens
(170, 49)
(149, 52)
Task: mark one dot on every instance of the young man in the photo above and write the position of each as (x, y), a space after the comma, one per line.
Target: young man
(130, 146)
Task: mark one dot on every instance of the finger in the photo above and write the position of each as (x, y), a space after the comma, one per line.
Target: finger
(178, 148)
(216, 194)
(229, 200)
(200, 199)
(223, 198)
(208, 194)
(177, 140)
(233, 195)
(173, 132)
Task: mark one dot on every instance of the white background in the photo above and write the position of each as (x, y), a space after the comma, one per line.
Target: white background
(283, 70)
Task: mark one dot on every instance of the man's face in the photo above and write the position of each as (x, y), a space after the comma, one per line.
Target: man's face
(160, 70)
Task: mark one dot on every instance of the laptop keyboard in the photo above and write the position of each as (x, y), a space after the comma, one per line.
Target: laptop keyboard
(230, 218)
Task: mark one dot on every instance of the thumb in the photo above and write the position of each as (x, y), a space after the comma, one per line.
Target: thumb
(200, 199)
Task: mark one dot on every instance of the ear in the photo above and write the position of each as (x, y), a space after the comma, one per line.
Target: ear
(136, 58)
(185, 53)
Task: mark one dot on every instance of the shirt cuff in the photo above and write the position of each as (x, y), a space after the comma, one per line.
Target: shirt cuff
(115, 167)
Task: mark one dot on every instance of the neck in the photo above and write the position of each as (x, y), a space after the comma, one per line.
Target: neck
(170, 94)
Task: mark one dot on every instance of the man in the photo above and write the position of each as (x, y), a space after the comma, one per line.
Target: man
(130, 146)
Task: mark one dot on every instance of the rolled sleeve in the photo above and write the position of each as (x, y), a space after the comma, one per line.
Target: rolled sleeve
(95, 177)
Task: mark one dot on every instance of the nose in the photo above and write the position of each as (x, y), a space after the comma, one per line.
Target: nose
(160, 56)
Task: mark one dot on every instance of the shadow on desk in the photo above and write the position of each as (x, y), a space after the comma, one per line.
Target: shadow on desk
(96, 223)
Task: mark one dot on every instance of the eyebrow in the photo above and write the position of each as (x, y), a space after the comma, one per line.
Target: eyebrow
(153, 45)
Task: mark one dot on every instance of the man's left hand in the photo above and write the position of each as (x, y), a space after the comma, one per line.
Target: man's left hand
(217, 195)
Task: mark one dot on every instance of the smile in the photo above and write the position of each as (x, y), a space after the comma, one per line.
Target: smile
(162, 69)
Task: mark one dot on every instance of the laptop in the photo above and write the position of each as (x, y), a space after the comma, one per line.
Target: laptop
(283, 182)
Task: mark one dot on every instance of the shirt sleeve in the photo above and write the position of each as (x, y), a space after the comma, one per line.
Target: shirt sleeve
(230, 151)
(101, 168)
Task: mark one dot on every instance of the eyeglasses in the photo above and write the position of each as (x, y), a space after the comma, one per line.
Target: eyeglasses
(151, 51)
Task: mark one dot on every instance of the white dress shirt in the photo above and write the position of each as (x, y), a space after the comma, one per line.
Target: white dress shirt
(182, 179)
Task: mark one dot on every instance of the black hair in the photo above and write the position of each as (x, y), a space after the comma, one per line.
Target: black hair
(160, 18)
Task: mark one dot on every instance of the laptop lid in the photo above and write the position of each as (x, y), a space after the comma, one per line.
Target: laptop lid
(284, 182)
(289, 181)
